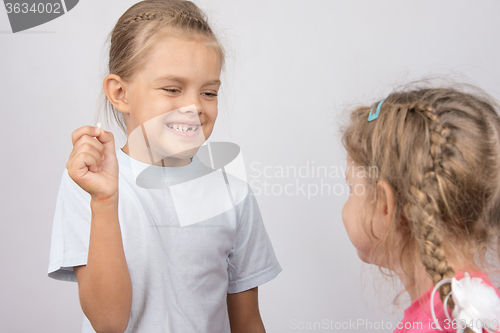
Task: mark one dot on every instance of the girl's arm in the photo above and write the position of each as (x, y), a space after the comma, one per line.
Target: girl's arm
(104, 284)
(243, 311)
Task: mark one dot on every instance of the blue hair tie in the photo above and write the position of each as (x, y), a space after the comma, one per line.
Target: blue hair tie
(373, 116)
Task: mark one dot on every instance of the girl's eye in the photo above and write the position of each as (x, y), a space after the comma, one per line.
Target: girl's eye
(171, 90)
(210, 94)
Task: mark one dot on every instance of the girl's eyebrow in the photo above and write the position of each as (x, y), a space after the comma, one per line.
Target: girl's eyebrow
(181, 80)
(170, 78)
(213, 82)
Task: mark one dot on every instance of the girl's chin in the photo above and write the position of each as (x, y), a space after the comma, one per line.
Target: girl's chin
(173, 145)
(364, 257)
(179, 153)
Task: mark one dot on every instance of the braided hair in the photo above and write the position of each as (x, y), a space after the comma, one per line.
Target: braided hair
(439, 150)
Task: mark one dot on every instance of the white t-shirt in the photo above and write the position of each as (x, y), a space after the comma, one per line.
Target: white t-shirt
(191, 235)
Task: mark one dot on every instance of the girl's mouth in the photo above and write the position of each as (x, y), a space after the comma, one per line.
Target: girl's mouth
(183, 129)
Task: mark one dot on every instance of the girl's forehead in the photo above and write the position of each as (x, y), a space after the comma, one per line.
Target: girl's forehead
(356, 173)
(178, 48)
(182, 58)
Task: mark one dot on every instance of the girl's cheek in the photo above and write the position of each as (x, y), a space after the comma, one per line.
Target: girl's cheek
(345, 213)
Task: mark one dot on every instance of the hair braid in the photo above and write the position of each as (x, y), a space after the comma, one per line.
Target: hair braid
(432, 254)
(427, 192)
(188, 19)
(428, 233)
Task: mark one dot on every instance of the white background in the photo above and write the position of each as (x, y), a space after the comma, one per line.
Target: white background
(295, 68)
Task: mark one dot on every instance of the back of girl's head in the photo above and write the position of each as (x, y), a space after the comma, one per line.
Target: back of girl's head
(139, 29)
(439, 151)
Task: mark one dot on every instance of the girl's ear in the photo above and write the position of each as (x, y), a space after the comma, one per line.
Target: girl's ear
(116, 90)
(385, 203)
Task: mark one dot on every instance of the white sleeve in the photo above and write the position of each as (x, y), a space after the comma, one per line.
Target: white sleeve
(70, 230)
(251, 261)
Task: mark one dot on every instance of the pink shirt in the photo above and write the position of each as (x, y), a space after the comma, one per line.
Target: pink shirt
(418, 316)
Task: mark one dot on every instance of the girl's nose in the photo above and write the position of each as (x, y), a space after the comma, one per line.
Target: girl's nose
(193, 104)
(190, 109)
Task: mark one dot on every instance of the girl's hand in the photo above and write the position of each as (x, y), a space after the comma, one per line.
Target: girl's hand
(92, 163)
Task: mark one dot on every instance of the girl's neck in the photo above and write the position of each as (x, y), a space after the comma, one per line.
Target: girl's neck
(417, 284)
(420, 282)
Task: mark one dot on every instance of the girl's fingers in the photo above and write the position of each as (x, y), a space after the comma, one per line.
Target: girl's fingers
(82, 163)
(87, 142)
(93, 151)
(89, 136)
(84, 130)
(96, 163)
(107, 140)
(86, 148)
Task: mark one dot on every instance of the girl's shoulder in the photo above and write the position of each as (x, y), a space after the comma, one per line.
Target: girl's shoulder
(418, 316)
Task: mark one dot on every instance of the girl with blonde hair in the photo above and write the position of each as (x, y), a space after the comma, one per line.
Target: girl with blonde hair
(428, 206)
(157, 240)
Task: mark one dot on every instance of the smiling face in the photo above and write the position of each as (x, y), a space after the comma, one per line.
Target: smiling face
(172, 101)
